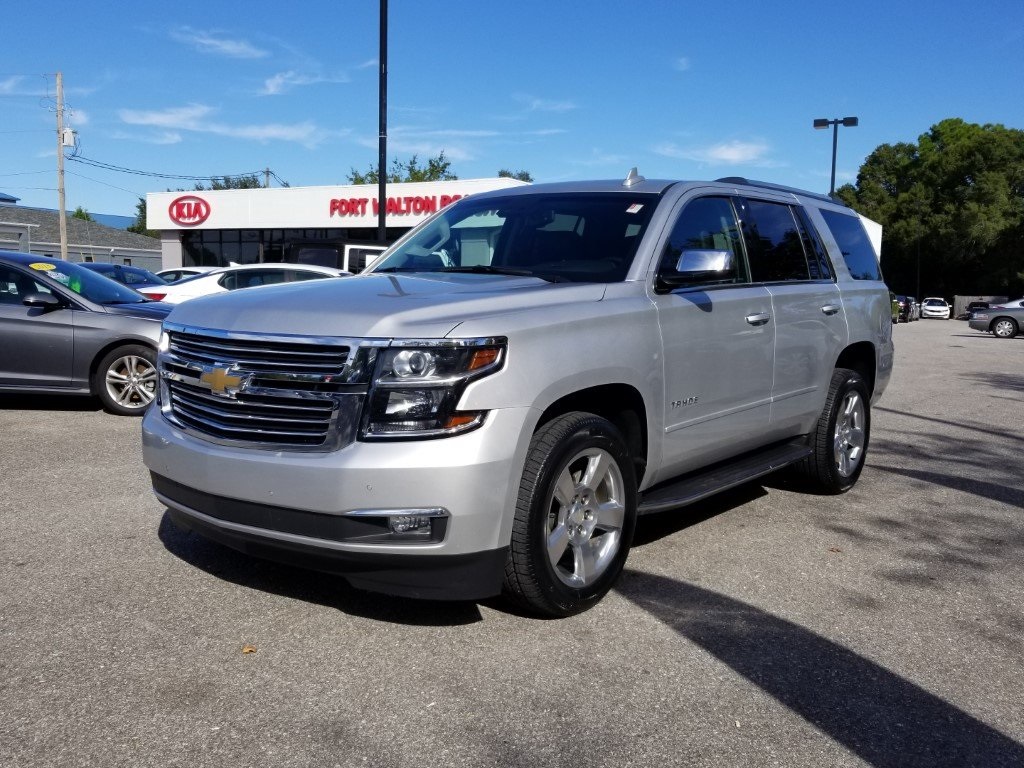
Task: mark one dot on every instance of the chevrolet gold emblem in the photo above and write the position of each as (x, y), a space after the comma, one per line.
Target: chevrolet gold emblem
(220, 381)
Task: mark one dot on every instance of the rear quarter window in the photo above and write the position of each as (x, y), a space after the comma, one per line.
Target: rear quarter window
(853, 242)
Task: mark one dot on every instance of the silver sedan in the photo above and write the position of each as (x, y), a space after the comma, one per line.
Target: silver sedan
(1004, 322)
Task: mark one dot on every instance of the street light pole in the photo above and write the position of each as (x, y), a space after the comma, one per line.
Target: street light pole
(822, 122)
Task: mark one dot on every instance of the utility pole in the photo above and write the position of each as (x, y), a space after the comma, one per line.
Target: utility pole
(266, 178)
(61, 207)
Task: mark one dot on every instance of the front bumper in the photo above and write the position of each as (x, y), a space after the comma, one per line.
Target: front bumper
(942, 314)
(297, 507)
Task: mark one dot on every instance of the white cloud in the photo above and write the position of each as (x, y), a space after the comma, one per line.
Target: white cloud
(454, 133)
(208, 42)
(285, 81)
(681, 64)
(162, 138)
(424, 149)
(76, 118)
(598, 159)
(534, 104)
(194, 117)
(724, 153)
(10, 85)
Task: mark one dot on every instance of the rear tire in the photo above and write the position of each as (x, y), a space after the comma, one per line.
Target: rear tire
(1005, 328)
(126, 380)
(575, 516)
(840, 439)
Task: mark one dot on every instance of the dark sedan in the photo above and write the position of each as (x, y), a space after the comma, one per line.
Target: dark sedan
(68, 330)
(133, 277)
(1003, 322)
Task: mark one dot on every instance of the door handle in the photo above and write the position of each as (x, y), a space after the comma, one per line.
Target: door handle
(830, 309)
(759, 319)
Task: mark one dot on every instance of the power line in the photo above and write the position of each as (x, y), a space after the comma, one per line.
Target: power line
(153, 174)
(105, 184)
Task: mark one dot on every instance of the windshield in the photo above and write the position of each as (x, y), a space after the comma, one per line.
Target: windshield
(556, 237)
(90, 285)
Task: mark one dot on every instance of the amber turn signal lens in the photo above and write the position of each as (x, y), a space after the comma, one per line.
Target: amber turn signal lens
(483, 357)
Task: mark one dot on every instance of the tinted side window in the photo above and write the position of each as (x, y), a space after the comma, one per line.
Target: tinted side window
(817, 258)
(707, 223)
(774, 245)
(295, 275)
(858, 253)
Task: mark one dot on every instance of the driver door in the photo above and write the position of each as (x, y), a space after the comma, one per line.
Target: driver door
(36, 344)
(718, 338)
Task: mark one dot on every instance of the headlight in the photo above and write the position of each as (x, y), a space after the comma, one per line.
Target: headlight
(417, 387)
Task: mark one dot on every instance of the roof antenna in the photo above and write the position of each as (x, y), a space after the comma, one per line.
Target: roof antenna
(633, 178)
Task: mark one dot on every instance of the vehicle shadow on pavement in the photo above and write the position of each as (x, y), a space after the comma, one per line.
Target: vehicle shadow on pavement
(882, 718)
(320, 588)
(651, 528)
(999, 381)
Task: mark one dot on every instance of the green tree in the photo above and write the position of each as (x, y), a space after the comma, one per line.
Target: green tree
(139, 226)
(231, 182)
(504, 173)
(81, 213)
(952, 208)
(437, 169)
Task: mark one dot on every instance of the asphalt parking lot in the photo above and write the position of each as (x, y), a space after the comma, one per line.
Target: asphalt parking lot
(884, 627)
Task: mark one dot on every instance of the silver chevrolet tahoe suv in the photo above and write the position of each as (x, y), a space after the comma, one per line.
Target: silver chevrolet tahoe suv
(490, 406)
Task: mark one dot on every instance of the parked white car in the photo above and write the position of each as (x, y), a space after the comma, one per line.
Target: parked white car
(175, 274)
(241, 276)
(934, 307)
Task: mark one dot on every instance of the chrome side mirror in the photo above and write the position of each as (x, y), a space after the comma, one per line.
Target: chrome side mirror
(700, 264)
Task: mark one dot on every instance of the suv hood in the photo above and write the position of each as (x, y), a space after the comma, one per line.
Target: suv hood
(377, 306)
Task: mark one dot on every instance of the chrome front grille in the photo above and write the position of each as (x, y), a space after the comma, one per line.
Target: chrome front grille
(263, 391)
(261, 355)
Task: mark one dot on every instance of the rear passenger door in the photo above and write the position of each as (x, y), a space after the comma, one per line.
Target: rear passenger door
(787, 258)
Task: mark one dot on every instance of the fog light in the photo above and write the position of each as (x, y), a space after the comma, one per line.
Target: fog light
(409, 523)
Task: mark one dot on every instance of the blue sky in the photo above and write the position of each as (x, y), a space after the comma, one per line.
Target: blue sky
(564, 90)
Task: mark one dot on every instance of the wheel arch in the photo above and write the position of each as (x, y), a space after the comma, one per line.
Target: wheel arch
(992, 325)
(860, 357)
(621, 404)
(106, 349)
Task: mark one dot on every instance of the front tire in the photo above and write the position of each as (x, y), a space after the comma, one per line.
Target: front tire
(1005, 328)
(126, 380)
(575, 516)
(840, 439)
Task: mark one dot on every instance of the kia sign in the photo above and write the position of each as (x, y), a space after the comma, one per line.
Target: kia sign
(189, 211)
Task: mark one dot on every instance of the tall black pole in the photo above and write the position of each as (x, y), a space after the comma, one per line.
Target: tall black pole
(383, 140)
(835, 144)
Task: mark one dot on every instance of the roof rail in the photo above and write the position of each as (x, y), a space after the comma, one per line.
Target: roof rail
(780, 188)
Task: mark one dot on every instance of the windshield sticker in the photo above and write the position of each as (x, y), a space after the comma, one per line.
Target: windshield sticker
(635, 208)
(42, 266)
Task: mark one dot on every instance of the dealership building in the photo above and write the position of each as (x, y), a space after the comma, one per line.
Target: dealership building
(334, 226)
